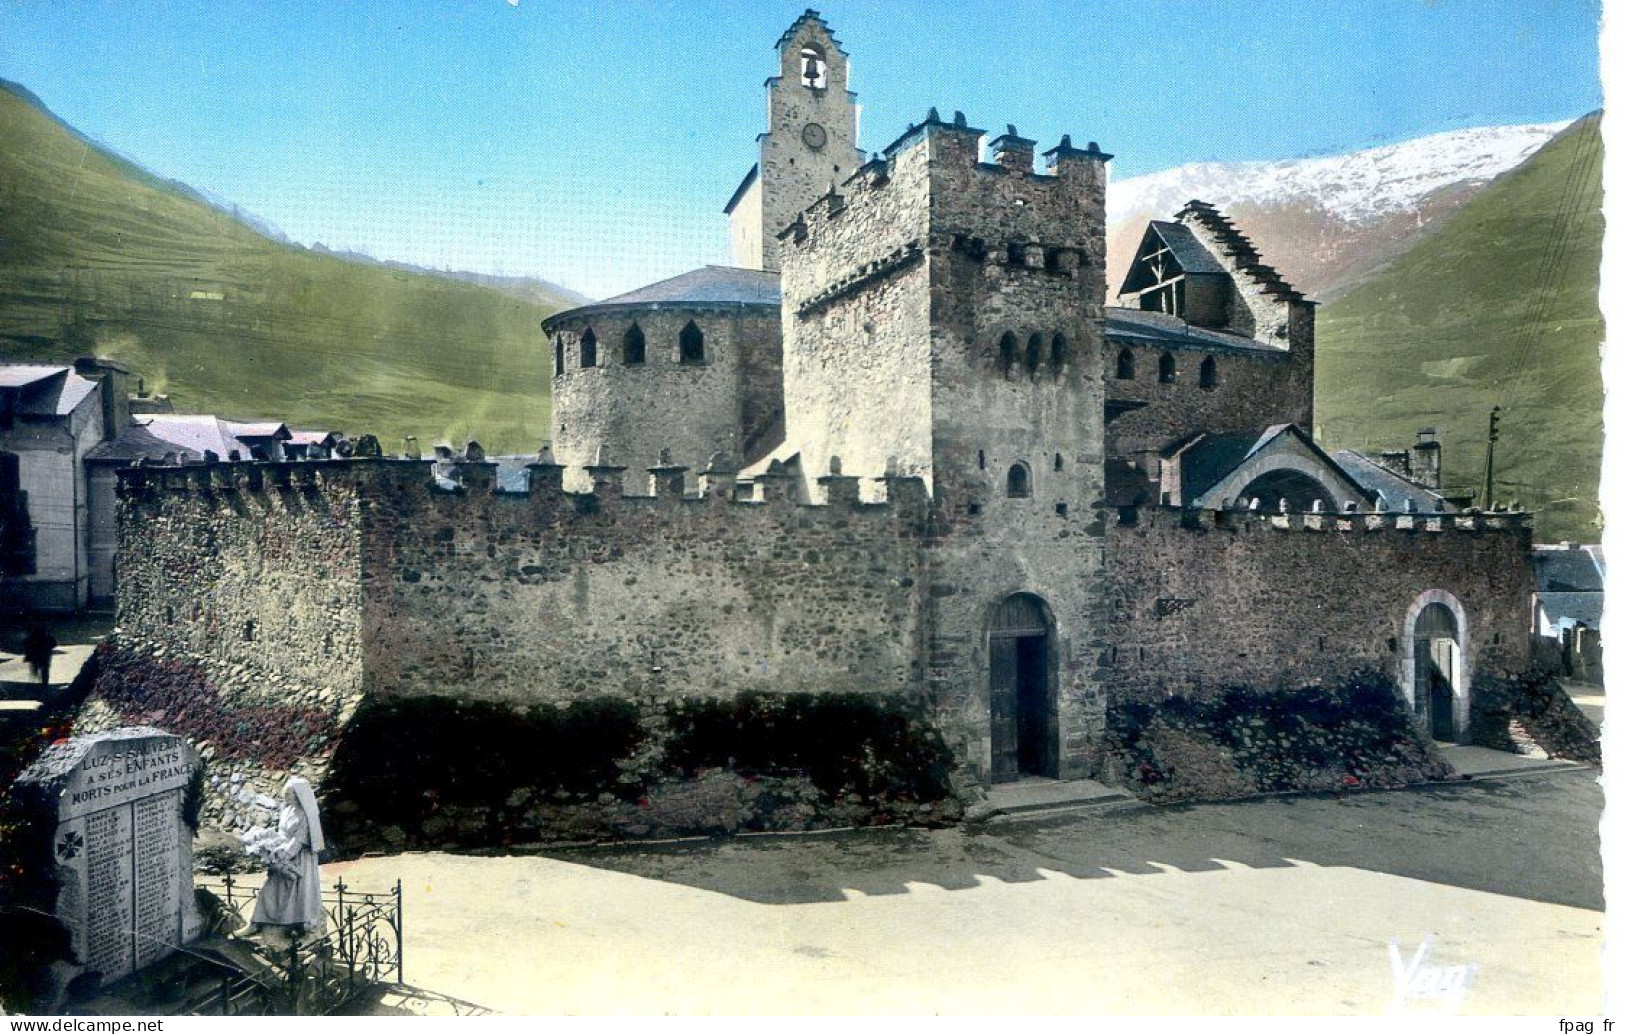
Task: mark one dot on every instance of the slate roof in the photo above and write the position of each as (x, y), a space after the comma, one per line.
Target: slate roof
(1395, 491)
(1562, 570)
(1208, 460)
(1583, 608)
(708, 285)
(258, 429)
(1189, 252)
(45, 390)
(20, 376)
(1140, 327)
(153, 436)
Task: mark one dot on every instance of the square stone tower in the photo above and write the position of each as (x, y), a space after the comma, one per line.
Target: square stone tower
(943, 317)
(810, 143)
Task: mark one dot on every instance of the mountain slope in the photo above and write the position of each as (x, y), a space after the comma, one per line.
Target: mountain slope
(1497, 307)
(98, 255)
(1326, 223)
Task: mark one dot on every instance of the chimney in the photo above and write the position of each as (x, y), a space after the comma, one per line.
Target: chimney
(114, 380)
(1425, 468)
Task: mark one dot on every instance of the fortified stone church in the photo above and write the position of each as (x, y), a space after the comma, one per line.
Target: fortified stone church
(911, 450)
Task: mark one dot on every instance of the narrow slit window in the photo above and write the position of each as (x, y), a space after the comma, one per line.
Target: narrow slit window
(558, 356)
(1166, 371)
(1035, 353)
(1210, 374)
(1058, 353)
(589, 348)
(1007, 353)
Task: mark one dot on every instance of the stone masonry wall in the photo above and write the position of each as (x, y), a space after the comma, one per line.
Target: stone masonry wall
(553, 597)
(239, 617)
(793, 173)
(1255, 389)
(1204, 600)
(690, 409)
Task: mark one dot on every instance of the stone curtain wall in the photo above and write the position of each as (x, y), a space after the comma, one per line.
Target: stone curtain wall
(552, 597)
(1200, 601)
(239, 615)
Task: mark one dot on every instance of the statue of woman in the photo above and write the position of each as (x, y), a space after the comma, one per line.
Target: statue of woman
(292, 895)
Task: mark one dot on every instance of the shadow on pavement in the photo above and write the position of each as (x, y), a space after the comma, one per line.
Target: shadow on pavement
(1533, 837)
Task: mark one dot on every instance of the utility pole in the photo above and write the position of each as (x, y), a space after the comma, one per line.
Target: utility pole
(1489, 459)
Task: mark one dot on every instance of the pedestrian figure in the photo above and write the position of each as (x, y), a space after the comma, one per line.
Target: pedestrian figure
(38, 646)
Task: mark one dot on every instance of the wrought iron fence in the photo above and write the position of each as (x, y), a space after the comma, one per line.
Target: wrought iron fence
(360, 948)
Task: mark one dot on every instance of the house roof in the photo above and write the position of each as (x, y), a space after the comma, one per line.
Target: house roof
(1573, 608)
(1139, 327)
(258, 429)
(20, 376)
(156, 435)
(706, 286)
(41, 390)
(1561, 569)
(1394, 491)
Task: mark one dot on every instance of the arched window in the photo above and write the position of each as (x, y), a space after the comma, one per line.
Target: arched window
(1210, 374)
(1058, 353)
(589, 348)
(1035, 352)
(1007, 353)
(1018, 484)
(691, 344)
(1125, 365)
(1166, 372)
(632, 346)
(558, 356)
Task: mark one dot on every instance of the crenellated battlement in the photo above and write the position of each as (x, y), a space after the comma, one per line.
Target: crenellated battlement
(395, 481)
(942, 159)
(1348, 522)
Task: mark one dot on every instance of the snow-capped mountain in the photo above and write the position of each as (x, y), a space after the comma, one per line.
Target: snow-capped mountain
(1326, 222)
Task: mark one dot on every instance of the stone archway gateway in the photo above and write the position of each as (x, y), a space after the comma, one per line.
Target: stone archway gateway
(1022, 717)
(1436, 674)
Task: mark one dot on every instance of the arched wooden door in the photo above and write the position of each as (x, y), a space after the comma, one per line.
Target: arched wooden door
(1022, 722)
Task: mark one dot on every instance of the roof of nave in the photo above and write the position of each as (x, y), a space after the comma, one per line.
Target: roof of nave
(706, 286)
(1140, 327)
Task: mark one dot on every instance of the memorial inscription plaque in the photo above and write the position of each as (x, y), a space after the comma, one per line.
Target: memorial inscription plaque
(113, 804)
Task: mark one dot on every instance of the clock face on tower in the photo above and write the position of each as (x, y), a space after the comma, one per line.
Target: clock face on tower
(813, 135)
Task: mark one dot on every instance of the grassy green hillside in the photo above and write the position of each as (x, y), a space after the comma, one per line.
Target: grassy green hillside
(1498, 307)
(98, 255)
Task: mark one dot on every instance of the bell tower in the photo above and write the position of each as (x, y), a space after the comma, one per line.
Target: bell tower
(810, 143)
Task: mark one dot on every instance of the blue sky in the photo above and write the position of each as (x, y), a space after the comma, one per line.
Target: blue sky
(595, 146)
